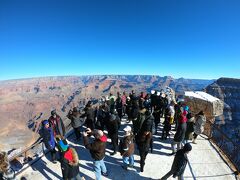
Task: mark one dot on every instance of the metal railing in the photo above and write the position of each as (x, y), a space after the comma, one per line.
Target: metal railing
(230, 148)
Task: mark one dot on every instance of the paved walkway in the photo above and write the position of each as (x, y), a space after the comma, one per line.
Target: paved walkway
(205, 164)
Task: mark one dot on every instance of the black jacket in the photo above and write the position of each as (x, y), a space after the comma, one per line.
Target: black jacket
(179, 163)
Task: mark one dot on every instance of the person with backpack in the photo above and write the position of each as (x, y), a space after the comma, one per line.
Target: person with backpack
(48, 139)
(126, 148)
(69, 161)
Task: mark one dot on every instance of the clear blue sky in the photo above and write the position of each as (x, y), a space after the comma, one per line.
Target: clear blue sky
(191, 39)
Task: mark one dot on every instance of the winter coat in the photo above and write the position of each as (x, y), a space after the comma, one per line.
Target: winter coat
(135, 109)
(143, 141)
(119, 103)
(48, 138)
(137, 124)
(183, 117)
(89, 114)
(90, 117)
(199, 124)
(112, 125)
(190, 129)
(126, 146)
(97, 148)
(76, 120)
(179, 163)
(69, 164)
(57, 125)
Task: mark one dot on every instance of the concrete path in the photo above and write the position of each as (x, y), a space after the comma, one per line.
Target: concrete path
(205, 163)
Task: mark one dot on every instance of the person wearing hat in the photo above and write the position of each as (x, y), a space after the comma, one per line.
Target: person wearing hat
(97, 150)
(48, 139)
(179, 163)
(69, 161)
(56, 123)
(126, 148)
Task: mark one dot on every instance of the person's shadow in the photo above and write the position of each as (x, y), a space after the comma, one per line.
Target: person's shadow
(41, 166)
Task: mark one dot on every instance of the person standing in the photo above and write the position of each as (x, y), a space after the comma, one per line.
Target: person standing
(181, 130)
(199, 125)
(112, 127)
(179, 163)
(76, 122)
(144, 140)
(97, 150)
(57, 124)
(69, 163)
(124, 103)
(126, 148)
(48, 139)
(90, 116)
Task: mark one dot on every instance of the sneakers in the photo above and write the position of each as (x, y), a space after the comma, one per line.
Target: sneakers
(104, 174)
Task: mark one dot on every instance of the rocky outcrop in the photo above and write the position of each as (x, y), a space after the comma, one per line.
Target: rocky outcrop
(228, 90)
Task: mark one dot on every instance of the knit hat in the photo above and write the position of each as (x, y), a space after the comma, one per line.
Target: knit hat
(44, 122)
(63, 145)
(187, 147)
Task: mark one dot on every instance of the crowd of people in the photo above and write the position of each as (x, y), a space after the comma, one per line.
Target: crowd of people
(142, 113)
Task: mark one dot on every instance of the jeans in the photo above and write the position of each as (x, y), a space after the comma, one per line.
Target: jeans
(128, 161)
(180, 177)
(99, 166)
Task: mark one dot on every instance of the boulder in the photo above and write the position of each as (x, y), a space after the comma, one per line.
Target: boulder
(199, 100)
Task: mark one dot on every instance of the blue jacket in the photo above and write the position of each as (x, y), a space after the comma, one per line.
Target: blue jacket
(48, 138)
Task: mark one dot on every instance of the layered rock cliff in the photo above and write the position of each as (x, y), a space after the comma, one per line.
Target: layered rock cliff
(23, 101)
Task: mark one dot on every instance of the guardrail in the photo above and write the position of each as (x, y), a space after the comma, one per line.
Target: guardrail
(230, 148)
(35, 147)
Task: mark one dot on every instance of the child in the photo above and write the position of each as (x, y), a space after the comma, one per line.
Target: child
(127, 148)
